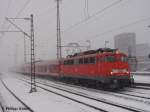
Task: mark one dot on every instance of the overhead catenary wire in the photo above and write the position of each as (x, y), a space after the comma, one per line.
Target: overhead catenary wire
(20, 11)
(91, 16)
(48, 11)
(118, 28)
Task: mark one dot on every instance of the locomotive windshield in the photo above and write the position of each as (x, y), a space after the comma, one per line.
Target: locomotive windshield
(111, 59)
(115, 59)
(124, 59)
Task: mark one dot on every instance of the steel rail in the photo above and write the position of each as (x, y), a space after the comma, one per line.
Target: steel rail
(133, 109)
(27, 107)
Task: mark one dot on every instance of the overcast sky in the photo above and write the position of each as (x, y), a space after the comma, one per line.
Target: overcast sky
(102, 20)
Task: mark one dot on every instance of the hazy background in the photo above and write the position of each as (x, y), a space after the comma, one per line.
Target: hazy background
(101, 22)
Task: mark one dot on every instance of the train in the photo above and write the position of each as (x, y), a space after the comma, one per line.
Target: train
(105, 66)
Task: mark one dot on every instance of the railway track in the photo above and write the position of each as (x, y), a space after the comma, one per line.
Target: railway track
(133, 95)
(17, 98)
(137, 91)
(86, 104)
(1, 108)
(121, 93)
(142, 84)
(128, 108)
(141, 87)
(116, 94)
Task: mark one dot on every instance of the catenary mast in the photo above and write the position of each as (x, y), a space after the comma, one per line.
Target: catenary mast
(59, 55)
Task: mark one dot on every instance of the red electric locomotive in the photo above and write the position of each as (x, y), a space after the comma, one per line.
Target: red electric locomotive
(105, 66)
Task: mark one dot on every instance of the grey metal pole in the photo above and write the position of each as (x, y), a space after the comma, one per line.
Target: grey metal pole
(33, 83)
(59, 55)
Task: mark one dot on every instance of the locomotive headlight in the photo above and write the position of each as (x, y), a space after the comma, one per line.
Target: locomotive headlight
(115, 70)
(124, 70)
(119, 70)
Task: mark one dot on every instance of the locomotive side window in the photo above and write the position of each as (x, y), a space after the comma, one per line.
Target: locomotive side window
(68, 62)
(76, 61)
(81, 61)
(89, 60)
(92, 60)
(71, 62)
(86, 61)
(65, 62)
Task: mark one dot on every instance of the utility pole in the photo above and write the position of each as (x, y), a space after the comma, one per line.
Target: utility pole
(59, 55)
(33, 83)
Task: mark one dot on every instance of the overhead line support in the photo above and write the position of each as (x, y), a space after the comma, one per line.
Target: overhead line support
(31, 36)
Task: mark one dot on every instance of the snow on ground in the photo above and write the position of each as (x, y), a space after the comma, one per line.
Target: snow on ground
(138, 103)
(42, 101)
(142, 78)
(1, 110)
(109, 96)
(8, 101)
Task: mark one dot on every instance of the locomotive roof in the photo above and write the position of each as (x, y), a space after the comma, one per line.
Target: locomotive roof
(90, 52)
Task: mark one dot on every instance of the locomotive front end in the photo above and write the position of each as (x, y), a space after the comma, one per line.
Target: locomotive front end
(115, 69)
(120, 71)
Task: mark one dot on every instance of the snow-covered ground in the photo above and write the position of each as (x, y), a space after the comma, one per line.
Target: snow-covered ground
(1, 110)
(9, 102)
(43, 101)
(142, 78)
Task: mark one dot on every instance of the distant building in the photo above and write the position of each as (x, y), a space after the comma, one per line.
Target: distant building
(126, 42)
(142, 49)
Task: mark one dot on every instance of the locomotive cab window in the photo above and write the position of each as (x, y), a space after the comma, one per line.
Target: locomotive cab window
(110, 59)
(124, 59)
(81, 61)
(86, 60)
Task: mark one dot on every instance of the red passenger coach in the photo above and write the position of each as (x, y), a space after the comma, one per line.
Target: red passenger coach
(43, 68)
(47, 67)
